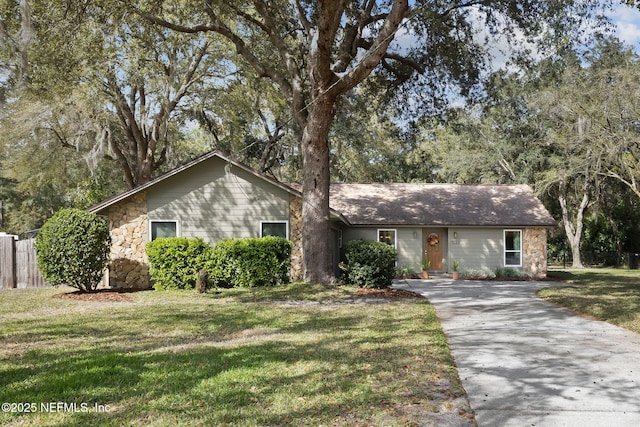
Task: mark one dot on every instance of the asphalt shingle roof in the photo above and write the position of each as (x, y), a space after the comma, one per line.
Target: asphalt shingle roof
(439, 205)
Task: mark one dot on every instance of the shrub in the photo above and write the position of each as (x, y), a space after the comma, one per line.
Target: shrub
(176, 261)
(478, 274)
(72, 248)
(510, 273)
(369, 264)
(406, 271)
(246, 263)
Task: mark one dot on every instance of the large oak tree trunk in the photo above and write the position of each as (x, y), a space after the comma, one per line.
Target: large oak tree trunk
(315, 201)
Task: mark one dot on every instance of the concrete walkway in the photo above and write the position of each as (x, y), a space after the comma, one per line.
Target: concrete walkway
(527, 362)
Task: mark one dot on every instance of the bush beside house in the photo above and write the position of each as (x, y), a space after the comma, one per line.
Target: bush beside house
(177, 262)
(246, 263)
(369, 264)
(72, 248)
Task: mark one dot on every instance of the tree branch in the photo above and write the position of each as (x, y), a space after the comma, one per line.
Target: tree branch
(201, 28)
(61, 139)
(348, 48)
(306, 25)
(631, 184)
(218, 27)
(124, 164)
(465, 5)
(288, 58)
(330, 13)
(378, 48)
(394, 56)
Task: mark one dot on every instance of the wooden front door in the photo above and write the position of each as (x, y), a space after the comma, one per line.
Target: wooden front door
(433, 244)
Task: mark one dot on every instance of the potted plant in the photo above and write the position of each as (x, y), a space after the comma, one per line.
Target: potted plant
(456, 269)
(426, 264)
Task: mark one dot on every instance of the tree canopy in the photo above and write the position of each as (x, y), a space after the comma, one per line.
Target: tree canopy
(316, 52)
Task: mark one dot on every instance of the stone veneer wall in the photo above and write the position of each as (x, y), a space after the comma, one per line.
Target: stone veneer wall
(295, 234)
(128, 221)
(535, 252)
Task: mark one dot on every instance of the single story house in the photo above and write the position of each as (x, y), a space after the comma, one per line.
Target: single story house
(215, 197)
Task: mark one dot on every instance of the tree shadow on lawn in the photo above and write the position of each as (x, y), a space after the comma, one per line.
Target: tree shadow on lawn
(610, 295)
(188, 386)
(601, 281)
(225, 375)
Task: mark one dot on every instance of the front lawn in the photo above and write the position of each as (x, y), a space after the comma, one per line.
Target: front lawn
(609, 294)
(285, 356)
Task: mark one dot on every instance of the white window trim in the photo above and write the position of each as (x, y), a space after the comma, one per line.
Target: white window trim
(395, 233)
(504, 247)
(278, 221)
(151, 221)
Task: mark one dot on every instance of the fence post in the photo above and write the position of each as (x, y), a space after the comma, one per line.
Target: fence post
(7, 261)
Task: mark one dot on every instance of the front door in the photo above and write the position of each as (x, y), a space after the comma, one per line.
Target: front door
(433, 244)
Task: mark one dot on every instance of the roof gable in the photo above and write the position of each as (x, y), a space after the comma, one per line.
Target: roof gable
(125, 195)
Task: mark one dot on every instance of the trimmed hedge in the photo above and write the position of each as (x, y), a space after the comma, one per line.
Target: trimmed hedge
(72, 248)
(246, 263)
(176, 261)
(368, 264)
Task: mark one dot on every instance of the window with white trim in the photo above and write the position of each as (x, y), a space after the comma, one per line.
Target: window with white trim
(387, 236)
(513, 248)
(163, 228)
(274, 228)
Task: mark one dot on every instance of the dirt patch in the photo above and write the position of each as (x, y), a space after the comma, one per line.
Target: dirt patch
(101, 295)
(387, 293)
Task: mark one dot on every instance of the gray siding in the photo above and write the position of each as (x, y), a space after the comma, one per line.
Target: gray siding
(215, 201)
(409, 247)
(476, 248)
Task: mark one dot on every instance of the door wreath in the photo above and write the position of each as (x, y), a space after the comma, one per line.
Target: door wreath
(433, 239)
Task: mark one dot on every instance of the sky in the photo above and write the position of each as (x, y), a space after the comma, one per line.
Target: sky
(627, 22)
(626, 27)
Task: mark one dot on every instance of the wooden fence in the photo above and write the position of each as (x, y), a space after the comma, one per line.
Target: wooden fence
(18, 265)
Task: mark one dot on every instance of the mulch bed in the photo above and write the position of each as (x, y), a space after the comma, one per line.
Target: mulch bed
(101, 295)
(120, 295)
(387, 293)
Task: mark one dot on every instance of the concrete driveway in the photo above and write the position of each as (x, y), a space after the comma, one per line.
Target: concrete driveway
(527, 362)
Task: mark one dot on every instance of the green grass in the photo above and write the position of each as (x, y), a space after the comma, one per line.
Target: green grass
(241, 358)
(612, 295)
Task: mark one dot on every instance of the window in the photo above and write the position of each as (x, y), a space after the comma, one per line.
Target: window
(163, 229)
(274, 228)
(387, 236)
(513, 248)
